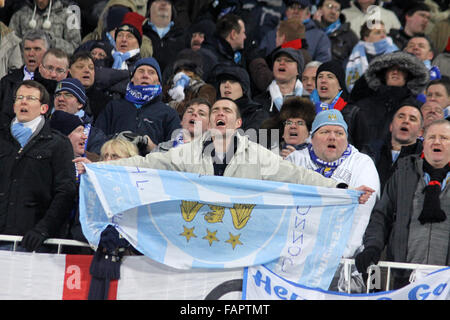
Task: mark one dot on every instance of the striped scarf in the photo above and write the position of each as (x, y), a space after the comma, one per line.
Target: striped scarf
(358, 63)
(327, 168)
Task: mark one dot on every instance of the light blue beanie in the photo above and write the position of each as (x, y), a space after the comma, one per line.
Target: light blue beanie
(330, 117)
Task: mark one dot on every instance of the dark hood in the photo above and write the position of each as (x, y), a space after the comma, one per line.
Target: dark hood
(418, 73)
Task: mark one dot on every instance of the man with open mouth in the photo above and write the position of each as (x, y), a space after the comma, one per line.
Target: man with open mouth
(233, 82)
(412, 216)
(331, 155)
(287, 66)
(37, 176)
(405, 129)
(194, 122)
(223, 151)
(331, 93)
(35, 44)
(141, 111)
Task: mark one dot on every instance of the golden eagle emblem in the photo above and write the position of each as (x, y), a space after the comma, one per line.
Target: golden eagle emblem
(240, 213)
(189, 209)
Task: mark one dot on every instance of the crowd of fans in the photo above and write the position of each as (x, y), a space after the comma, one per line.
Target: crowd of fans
(355, 93)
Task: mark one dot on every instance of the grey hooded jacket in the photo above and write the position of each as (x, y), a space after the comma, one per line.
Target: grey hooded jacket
(64, 31)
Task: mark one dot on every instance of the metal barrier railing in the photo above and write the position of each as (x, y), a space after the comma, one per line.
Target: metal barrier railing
(52, 241)
(389, 265)
(347, 262)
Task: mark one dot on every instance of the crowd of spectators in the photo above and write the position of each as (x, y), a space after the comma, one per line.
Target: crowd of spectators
(335, 93)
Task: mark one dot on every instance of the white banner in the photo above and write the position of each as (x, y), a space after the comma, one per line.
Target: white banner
(262, 284)
(37, 276)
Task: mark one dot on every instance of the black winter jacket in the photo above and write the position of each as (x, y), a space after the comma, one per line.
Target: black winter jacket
(384, 163)
(8, 85)
(166, 49)
(342, 42)
(379, 102)
(37, 183)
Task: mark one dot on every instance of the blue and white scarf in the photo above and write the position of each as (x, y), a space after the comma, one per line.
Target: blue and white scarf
(434, 71)
(332, 27)
(357, 62)
(121, 58)
(322, 106)
(22, 131)
(140, 95)
(327, 168)
(179, 139)
(111, 40)
(27, 75)
(277, 97)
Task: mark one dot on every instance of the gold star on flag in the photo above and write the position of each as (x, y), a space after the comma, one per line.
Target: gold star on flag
(188, 233)
(234, 240)
(211, 236)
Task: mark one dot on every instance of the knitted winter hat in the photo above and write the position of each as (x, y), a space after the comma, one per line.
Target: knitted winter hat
(294, 54)
(150, 61)
(303, 3)
(335, 68)
(115, 17)
(132, 22)
(330, 117)
(235, 73)
(73, 86)
(64, 122)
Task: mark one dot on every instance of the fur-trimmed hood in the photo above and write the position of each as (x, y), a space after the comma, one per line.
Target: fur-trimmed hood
(418, 73)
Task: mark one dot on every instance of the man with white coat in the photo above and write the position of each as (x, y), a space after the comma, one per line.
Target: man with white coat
(330, 154)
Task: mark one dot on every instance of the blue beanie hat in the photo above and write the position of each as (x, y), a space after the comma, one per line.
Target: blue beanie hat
(330, 117)
(150, 61)
(73, 86)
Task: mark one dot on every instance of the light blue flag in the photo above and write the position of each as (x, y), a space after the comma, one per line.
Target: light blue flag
(186, 220)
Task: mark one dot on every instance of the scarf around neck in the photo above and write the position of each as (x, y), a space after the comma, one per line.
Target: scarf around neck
(435, 178)
(358, 62)
(22, 131)
(121, 58)
(327, 168)
(140, 95)
(338, 103)
(277, 97)
(332, 27)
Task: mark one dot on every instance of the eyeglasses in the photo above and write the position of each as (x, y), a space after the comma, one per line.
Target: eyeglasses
(290, 123)
(66, 95)
(331, 7)
(30, 98)
(53, 69)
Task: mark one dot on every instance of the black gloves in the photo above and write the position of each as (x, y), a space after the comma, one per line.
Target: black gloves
(133, 137)
(141, 142)
(369, 256)
(111, 241)
(33, 239)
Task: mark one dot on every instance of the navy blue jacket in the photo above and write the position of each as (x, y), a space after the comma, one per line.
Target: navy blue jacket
(155, 119)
